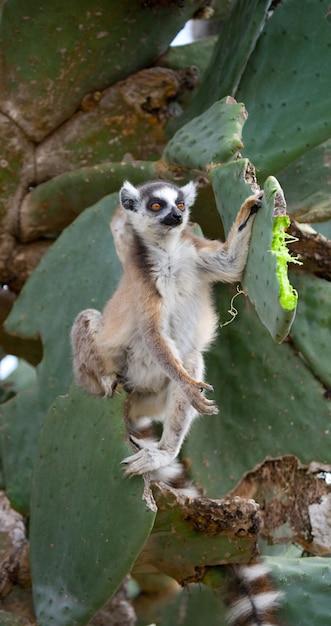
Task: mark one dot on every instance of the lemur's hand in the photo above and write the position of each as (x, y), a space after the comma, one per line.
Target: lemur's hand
(251, 206)
(193, 391)
(109, 384)
(255, 202)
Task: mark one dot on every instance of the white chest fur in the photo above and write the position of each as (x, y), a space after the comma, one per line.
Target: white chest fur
(177, 280)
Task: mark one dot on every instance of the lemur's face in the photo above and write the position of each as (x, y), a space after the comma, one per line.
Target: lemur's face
(157, 208)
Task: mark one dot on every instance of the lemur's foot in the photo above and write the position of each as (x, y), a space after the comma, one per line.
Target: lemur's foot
(109, 384)
(251, 206)
(197, 399)
(146, 460)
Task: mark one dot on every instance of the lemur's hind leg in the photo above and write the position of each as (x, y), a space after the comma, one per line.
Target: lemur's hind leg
(179, 415)
(88, 366)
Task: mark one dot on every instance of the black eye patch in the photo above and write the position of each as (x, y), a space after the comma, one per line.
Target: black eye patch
(156, 201)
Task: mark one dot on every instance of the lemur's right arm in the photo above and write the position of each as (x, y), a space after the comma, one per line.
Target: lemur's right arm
(225, 262)
(164, 351)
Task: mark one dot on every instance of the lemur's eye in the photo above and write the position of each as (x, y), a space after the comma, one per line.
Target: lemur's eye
(155, 206)
(181, 206)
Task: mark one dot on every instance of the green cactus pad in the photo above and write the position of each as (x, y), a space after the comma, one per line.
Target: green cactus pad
(196, 54)
(311, 331)
(265, 277)
(308, 185)
(80, 271)
(51, 206)
(89, 47)
(324, 228)
(306, 583)
(214, 136)
(196, 605)
(286, 86)
(231, 53)
(88, 522)
(270, 404)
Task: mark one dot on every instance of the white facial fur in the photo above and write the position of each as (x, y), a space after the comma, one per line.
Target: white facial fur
(136, 201)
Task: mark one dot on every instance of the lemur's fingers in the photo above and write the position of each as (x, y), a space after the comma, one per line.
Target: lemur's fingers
(205, 408)
(257, 202)
(108, 384)
(146, 460)
(200, 403)
(201, 385)
(206, 386)
(251, 205)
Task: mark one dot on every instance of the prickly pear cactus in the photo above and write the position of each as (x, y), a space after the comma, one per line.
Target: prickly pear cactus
(109, 101)
(214, 136)
(266, 277)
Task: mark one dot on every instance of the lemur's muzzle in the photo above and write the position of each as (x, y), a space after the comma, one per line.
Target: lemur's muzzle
(172, 219)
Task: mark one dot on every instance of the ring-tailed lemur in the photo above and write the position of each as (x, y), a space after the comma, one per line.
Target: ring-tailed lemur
(153, 331)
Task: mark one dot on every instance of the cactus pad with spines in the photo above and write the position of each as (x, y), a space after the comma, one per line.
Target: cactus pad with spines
(306, 583)
(214, 136)
(311, 329)
(265, 276)
(80, 271)
(89, 47)
(54, 204)
(308, 185)
(195, 605)
(286, 86)
(270, 403)
(88, 522)
(230, 55)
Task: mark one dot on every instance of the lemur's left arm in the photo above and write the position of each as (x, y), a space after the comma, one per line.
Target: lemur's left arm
(225, 262)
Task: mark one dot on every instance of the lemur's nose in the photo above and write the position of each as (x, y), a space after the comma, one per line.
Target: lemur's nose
(173, 218)
(178, 218)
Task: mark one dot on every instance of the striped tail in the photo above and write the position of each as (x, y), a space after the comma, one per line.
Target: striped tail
(252, 599)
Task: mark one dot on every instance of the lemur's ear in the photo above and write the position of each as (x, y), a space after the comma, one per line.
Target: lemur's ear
(129, 196)
(190, 193)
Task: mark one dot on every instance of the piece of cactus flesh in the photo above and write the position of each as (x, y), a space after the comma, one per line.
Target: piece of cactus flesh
(288, 296)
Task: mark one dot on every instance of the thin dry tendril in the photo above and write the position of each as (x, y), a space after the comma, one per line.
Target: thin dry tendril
(232, 310)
